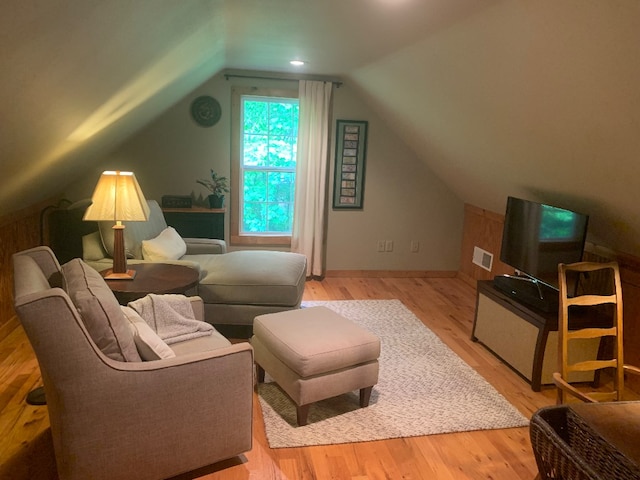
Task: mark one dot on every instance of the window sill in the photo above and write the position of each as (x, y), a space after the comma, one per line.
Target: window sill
(261, 240)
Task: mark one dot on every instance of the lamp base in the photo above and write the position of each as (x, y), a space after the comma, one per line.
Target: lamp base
(111, 275)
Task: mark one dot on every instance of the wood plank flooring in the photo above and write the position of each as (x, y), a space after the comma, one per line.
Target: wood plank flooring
(445, 305)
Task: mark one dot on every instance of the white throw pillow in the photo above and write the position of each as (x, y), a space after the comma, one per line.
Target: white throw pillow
(150, 346)
(169, 245)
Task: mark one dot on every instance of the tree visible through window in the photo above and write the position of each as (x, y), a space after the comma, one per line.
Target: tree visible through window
(269, 135)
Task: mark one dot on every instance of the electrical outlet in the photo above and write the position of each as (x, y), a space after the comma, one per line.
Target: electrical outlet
(381, 245)
(388, 247)
(415, 246)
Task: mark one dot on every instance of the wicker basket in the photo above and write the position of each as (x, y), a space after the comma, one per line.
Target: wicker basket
(566, 448)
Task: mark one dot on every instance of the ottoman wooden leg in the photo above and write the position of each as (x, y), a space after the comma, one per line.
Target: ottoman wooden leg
(365, 395)
(260, 373)
(302, 412)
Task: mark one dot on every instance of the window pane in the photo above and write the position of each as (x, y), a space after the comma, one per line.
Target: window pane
(254, 151)
(279, 218)
(256, 117)
(254, 218)
(281, 152)
(281, 187)
(281, 118)
(255, 186)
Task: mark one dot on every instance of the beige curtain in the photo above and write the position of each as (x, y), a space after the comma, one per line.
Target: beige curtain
(307, 235)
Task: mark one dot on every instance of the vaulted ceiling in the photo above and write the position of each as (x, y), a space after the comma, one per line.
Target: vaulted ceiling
(532, 98)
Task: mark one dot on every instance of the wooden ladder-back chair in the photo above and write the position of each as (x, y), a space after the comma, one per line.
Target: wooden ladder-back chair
(608, 275)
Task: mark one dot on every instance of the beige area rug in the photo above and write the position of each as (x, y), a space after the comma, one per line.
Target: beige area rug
(424, 388)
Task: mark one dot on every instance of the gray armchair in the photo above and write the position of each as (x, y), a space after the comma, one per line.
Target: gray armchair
(115, 419)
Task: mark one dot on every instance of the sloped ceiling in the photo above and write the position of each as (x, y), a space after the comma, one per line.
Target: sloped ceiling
(532, 98)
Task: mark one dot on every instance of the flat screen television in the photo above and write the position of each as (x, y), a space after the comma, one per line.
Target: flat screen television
(536, 238)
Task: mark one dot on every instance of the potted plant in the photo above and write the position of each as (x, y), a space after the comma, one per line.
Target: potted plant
(218, 186)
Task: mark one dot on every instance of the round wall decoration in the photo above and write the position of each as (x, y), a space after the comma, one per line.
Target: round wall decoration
(206, 111)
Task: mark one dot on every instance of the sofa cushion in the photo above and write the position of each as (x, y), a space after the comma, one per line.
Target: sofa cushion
(201, 344)
(169, 245)
(135, 232)
(92, 248)
(100, 311)
(252, 277)
(150, 345)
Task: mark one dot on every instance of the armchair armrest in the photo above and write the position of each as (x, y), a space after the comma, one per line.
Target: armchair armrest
(562, 384)
(631, 369)
(202, 401)
(590, 397)
(199, 246)
(198, 307)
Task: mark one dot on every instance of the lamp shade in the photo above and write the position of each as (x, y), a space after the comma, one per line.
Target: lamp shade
(117, 197)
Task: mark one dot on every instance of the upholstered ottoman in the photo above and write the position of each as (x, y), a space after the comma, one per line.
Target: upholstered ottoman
(315, 353)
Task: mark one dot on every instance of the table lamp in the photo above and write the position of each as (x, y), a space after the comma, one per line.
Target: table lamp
(118, 198)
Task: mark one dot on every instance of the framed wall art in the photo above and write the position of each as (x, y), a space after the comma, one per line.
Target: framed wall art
(351, 152)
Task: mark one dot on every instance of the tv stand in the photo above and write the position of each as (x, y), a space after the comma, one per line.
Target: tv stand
(529, 291)
(526, 338)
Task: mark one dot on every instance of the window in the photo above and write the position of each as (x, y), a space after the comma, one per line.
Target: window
(269, 134)
(264, 143)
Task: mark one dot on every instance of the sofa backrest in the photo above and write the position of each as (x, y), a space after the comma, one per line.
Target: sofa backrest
(135, 232)
(31, 278)
(48, 269)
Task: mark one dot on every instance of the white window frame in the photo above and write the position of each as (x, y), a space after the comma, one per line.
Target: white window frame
(236, 237)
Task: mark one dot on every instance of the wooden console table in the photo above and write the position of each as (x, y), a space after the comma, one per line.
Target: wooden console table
(196, 222)
(525, 338)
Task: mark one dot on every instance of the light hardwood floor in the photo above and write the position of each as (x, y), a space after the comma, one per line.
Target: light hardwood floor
(445, 305)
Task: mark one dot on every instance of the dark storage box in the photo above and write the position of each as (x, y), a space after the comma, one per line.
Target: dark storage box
(176, 201)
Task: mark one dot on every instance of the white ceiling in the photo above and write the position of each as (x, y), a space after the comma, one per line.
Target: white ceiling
(533, 98)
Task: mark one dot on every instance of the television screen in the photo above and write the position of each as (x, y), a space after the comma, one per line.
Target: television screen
(537, 237)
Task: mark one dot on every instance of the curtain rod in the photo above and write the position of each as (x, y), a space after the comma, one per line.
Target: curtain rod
(227, 76)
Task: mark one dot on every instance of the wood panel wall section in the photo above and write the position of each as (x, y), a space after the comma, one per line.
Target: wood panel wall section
(483, 228)
(630, 278)
(18, 231)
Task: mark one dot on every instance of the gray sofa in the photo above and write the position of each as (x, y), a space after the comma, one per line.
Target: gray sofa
(114, 416)
(235, 286)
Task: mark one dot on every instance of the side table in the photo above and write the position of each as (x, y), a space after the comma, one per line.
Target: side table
(154, 278)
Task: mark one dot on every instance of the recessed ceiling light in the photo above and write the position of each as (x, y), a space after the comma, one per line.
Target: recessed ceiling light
(297, 63)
